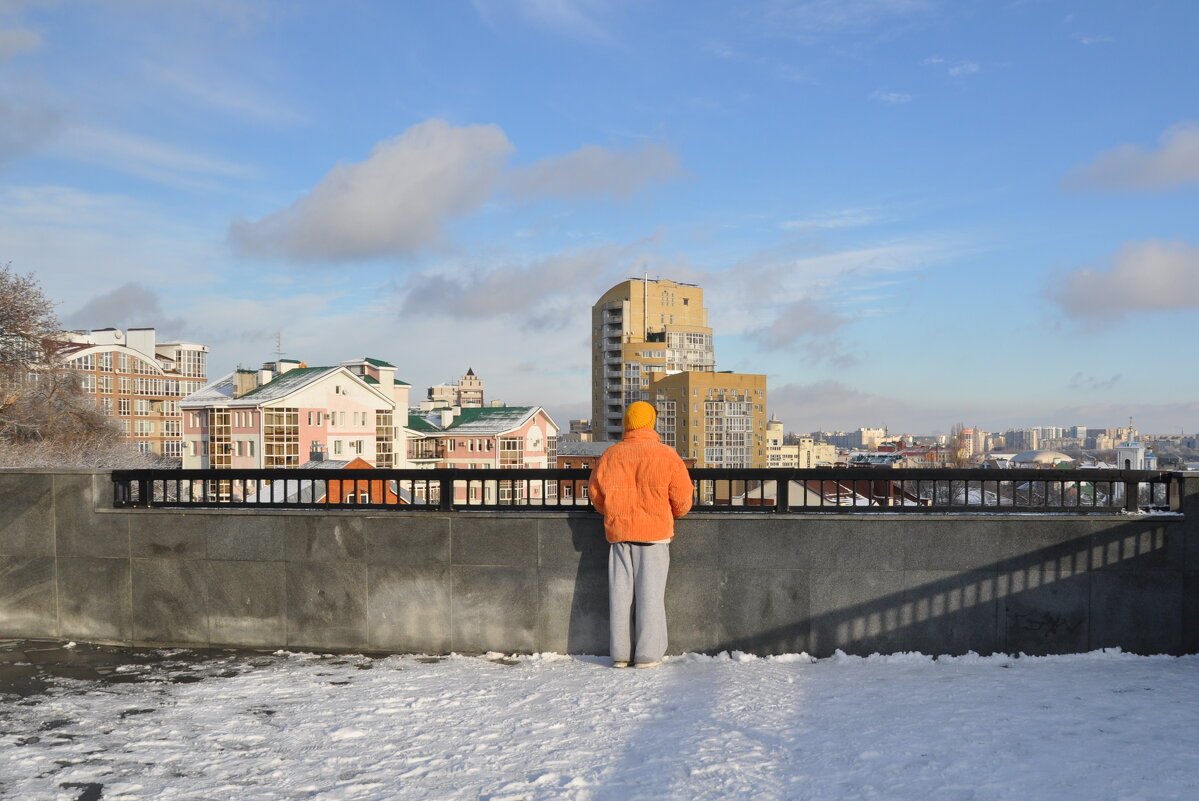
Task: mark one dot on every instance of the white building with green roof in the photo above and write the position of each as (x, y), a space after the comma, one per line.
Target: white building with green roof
(287, 413)
(487, 437)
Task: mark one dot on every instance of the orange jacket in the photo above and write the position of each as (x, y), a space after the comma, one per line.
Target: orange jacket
(640, 486)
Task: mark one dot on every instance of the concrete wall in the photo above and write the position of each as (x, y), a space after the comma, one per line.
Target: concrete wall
(72, 567)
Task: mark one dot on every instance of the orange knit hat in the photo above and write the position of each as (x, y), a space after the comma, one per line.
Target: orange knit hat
(639, 415)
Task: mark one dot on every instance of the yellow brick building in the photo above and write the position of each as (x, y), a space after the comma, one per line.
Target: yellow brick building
(643, 329)
(718, 419)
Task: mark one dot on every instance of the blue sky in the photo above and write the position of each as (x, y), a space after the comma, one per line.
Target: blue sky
(908, 213)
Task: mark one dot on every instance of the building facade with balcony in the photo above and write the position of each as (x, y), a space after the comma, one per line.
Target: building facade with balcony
(491, 437)
(276, 417)
(717, 419)
(138, 381)
(642, 330)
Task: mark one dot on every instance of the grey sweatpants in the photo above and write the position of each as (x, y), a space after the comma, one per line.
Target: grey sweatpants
(637, 600)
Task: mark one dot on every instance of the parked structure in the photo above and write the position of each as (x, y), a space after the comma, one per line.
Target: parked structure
(139, 381)
(278, 415)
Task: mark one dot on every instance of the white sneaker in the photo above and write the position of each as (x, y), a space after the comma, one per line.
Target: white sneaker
(647, 664)
(619, 663)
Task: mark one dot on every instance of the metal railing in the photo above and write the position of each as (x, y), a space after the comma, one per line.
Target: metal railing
(762, 490)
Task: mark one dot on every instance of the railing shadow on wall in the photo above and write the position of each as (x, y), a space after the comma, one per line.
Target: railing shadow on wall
(1122, 587)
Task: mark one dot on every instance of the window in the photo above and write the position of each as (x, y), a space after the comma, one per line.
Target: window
(87, 362)
(105, 385)
(89, 383)
(122, 362)
(337, 447)
(105, 361)
(123, 407)
(281, 437)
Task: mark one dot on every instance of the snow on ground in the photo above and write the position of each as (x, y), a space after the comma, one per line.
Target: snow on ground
(304, 726)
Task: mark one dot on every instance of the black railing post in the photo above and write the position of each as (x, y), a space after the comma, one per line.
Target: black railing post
(143, 492)
(1175, 488)
(782, 493)
(445, 483)
(1132, 496)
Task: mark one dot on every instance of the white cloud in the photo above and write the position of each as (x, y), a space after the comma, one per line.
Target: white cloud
(24, 127)
(1174, 163)
(224, 94)
(594, 171)
(832, 277)
(131, 305)
(894, 98)
(14, 41)
(399, 199)
(574, 18)
(1092, 383)
(144, 157)
(834, 406)
(846, 218)
(1093, 39)
(957, 70)
(77, 241)
(821, 15)
(1143, 276)
(396, 202)
(811, 324)
(544, 294)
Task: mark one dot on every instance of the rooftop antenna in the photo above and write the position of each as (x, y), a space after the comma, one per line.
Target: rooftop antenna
(278, 345)
(645, 312)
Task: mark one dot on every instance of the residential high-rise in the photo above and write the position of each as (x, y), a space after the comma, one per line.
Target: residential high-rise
(640, 329)
(718, 419)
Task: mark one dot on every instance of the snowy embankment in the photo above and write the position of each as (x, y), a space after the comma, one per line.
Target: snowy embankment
(302, 726)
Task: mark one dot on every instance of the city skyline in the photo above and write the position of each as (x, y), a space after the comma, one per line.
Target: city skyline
(958, 212)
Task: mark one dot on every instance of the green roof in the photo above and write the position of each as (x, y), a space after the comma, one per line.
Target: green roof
(285, 381)
(377, 362)
(421, 424)
(370, 379)
(485, 420)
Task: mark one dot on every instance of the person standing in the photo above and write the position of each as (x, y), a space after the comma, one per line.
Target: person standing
(640, 486)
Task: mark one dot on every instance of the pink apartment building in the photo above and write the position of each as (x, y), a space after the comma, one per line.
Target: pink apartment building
(491, 437)
(279, 415)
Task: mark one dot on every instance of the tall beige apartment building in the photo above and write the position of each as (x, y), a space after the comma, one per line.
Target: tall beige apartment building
(651, 342)
(642, 329)
(718, 419)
